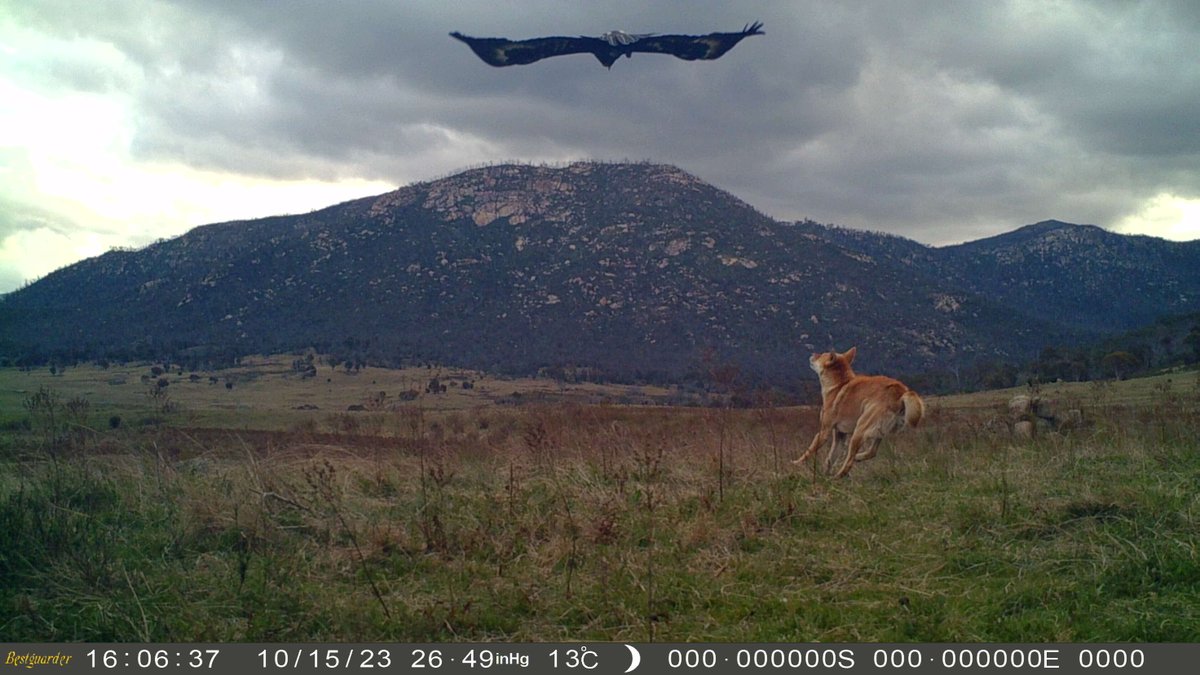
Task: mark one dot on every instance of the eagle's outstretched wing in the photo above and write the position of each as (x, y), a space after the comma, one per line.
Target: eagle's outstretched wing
(504, 52)
(692, 47)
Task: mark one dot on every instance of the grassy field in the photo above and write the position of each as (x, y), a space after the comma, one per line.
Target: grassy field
(267, 393)
(231, 515)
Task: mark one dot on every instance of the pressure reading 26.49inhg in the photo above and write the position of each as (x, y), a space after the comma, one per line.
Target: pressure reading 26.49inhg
(474, 658)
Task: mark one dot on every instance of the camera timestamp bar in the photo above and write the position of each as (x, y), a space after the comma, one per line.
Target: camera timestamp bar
(603, 658)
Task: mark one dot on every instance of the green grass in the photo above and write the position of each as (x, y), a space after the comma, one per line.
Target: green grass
(571, 521)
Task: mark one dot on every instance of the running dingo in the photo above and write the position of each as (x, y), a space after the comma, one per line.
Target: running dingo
(864, 407)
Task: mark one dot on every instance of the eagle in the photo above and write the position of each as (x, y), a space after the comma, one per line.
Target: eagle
(607, 48)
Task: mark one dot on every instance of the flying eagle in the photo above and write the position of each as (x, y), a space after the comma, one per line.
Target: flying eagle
(607, 48)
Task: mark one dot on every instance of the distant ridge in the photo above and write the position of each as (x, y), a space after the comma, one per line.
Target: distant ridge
(633, 271)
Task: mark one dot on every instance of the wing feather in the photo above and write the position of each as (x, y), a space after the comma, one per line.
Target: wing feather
(693, 47)
(504, 52)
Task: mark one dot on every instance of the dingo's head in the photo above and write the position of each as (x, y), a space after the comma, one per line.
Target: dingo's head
(833, 363)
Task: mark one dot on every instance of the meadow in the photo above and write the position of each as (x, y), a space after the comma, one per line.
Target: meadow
(523, 510)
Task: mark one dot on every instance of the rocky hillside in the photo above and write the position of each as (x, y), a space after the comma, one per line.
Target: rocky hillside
(637, 271)
(1080, 275)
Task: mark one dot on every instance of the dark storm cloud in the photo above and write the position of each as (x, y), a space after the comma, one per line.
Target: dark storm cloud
(941, 121)
(364, 80)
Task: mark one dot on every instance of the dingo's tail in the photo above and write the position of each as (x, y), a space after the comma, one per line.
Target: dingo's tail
(914, 408)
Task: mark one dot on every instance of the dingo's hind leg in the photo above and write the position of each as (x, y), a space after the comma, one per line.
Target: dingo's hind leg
(867, 431)
(872, 448)
(856, 442)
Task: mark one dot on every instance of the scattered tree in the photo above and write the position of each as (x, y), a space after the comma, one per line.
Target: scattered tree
(1119, 363)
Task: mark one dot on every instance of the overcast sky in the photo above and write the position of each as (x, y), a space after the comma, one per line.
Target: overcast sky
(125, 121)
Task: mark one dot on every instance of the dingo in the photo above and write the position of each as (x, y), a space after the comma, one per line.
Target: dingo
(864, 407)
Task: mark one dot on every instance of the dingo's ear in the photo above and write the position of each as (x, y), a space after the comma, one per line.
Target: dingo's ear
(849, 355)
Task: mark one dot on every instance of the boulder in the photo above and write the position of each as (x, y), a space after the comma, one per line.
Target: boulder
(1023, 429)
(1029, 415)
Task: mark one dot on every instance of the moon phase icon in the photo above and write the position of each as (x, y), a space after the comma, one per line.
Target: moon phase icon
(635, 658)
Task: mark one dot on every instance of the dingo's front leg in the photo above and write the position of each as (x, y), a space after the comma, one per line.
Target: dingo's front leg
(816, 444)
(839, 440)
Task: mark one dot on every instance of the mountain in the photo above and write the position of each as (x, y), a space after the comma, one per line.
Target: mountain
(1082, 275)
(638, 271)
